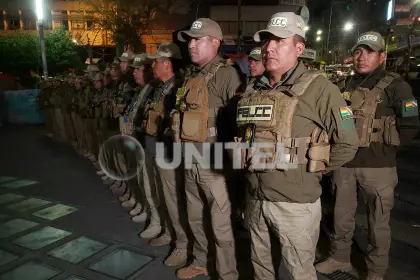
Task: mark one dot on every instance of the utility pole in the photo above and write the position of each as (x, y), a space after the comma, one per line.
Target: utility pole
(40, 16)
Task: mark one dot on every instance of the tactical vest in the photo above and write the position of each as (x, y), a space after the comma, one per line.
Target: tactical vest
(198, 121)
(156, 113)
(364, 103)
(265, 117)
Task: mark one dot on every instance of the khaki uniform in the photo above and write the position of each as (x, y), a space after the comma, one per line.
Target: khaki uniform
(205, 187)
(168, 188)
(77, 119)
(67, 91)
(373, 173)
(286, 200)
(88, 118)
(57, 101)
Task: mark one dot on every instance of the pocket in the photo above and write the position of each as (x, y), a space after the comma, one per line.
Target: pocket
(153, 123)
(294, 176)
(391, 135)
(194, 126)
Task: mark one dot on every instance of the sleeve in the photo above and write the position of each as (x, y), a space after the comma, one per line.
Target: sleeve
(233, 83)
(338, 120)
(406, 110)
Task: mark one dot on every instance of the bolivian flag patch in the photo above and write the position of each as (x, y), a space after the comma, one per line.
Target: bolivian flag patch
(346, 113)
(410, 105)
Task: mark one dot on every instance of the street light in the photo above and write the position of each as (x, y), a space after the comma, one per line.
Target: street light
(40, 17)
(348, 26)
(318, 38)
(306, 28)
(319, 32)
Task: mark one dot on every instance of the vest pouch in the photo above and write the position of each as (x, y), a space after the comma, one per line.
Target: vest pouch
(319, 151)
(153, 123)
(176, 126)
(364, 129)
(98, 112)
(194, 126)
(391, 135)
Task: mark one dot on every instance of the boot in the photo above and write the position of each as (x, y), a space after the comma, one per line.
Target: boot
(154, 228)
(178, 257)
(141, 217)
(191, 272)
(129, 203)
(136, 210)
(109, 182)
(330, 266)
(118, 188)
(162, 240)
(100, 172)
(126, 196)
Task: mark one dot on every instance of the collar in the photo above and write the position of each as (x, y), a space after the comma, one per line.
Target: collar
(204, 70)
(168, 83)
(288, 78)
(377, 72)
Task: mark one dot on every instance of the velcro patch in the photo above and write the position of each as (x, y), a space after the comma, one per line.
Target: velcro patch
(255, 113)
(346, 95)
(346, 113)
(410, 105)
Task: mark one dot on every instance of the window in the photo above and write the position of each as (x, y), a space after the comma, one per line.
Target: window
(14, 24)
(251, 27)
(77, 25)
(29, 24)
(90, 24)
(151, 48)
(65, 23)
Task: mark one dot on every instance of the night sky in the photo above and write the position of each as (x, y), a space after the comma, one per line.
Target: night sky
(317, 6)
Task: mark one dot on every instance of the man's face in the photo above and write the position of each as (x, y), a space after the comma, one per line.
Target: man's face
(202, 49)
(97, 84)
(160, 67)
(256, 67)
(139, 75)
(366, 60)
(92, 74)
(114, 72)
(280, 54)
(124, 66)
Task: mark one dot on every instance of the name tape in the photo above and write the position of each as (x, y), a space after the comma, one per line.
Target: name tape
(255, 113)
(277, 22)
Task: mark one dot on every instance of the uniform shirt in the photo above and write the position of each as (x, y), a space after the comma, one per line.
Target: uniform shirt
(225, 83)
(319, 105)
(377, 154)
(165, 91)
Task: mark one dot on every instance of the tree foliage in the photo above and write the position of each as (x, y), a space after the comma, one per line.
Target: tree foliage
(20, 53)
(128, 20)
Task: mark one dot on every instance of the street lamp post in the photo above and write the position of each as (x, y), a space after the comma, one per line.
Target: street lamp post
(40, 17)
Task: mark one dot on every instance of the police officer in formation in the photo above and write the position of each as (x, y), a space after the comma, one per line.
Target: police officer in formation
(307, 127)
(385, 114)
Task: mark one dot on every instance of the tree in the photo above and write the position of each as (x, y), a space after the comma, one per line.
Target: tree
(128, 20)
(20, 53)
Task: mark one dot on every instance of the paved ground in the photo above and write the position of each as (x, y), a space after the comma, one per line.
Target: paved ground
(58, 221)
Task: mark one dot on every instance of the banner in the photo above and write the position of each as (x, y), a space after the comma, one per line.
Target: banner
(20, 107)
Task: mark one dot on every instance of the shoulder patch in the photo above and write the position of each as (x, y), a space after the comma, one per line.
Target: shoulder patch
(346, 113)
(409, 108)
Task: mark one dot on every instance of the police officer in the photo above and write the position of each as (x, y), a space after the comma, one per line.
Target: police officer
(386, 118)
(295, 113)
(143, 75)
(255, 64)
(206, 91)
(166, 69)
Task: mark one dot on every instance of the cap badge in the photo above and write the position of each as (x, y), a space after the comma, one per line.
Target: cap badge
(277, 22)
(197, 25)
(373, 38)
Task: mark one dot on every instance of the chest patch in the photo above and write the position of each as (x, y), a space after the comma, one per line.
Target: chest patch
(255, 113)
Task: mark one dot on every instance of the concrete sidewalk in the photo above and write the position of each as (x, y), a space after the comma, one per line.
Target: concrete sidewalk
(58, 221)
